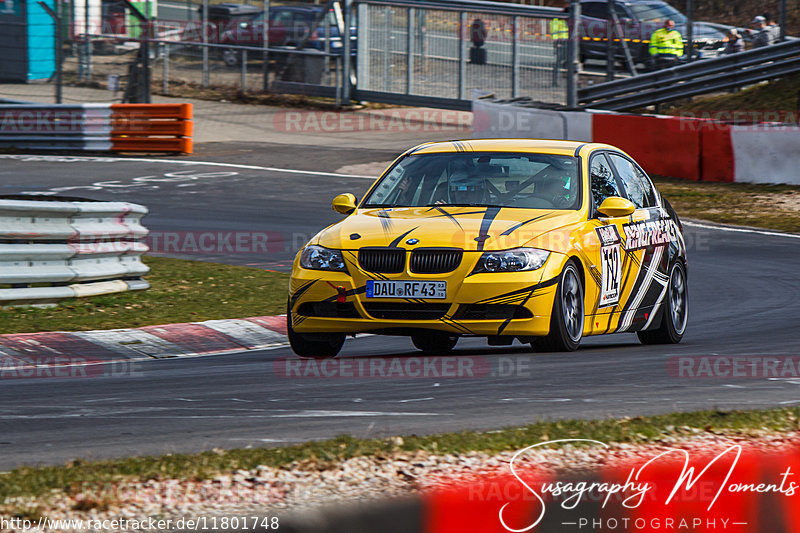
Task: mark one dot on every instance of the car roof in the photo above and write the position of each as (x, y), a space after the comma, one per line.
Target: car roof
(541, 146)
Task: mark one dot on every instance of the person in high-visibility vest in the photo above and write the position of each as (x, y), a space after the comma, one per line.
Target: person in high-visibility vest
(559, 33)
(666, 45)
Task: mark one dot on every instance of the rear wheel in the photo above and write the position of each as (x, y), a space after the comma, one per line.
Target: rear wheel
(566, 322)
(675, 312)
(313, 345)
(434, 342)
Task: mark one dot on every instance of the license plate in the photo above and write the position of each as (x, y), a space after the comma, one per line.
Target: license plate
(406, 289)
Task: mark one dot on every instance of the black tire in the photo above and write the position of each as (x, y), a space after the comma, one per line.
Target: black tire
(566, 322)
(310, 346)
(435, 342)
(675, 311)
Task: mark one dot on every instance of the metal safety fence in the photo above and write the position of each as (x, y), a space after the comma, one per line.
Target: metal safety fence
(53, 249)
(420, 52)
(417, 52)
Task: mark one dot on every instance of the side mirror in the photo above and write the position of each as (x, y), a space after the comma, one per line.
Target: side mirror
(614, 206)
(345, 203)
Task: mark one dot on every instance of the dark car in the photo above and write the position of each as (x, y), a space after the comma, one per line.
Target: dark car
(638, 19)
(243, 25)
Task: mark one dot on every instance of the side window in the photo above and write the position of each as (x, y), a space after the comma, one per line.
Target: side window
(603, 182)
(639, 190)
(595, 10)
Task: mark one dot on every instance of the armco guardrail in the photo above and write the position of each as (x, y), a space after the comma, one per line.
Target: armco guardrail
(695, 78)
(98, 127)
(52, 249)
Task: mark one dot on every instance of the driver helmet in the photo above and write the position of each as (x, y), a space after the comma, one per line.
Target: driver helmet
(466, 189)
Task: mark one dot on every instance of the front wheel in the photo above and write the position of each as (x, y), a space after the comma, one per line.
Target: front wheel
(675, 311)
(314, 345)
(434, 342)
(566, 322)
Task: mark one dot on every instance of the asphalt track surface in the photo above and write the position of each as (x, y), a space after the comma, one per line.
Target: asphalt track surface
(744, 300)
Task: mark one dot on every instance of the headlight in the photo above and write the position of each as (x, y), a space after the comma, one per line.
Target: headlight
(320, 258)
(516, 260)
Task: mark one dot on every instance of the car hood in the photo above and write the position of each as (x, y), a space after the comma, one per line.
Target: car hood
(469, 228)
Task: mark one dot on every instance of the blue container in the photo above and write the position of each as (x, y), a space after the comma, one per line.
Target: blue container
(27, 41)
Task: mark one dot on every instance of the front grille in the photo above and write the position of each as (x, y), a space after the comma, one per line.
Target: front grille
(328, 309)
(406, 311)
(386, 260)
(491, 312)
(435, 260)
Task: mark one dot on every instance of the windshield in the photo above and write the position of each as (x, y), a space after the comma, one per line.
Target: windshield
(534, 181)
(656, 12)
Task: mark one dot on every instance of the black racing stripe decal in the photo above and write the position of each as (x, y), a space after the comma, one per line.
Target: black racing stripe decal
(488, 217)
(450, 217)
(395, 242)
(299, 292)
(519, 294)
(517, 226)
(448, 319)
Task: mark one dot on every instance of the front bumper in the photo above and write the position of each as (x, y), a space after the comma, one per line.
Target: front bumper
(513, 304)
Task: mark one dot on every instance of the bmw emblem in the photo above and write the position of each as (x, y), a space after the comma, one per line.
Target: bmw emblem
(412, 241)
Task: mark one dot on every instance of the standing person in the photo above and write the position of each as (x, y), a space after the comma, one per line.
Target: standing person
(559, 33)
(735, 42)
(773, 27)
(762, 36)
(666, 45)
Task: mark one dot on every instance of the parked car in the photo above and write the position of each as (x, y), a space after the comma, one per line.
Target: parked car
(638, 20)
(289, 26)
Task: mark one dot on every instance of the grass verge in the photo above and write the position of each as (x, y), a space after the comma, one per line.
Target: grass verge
(36, 481)
(181, 291)
(766, 206)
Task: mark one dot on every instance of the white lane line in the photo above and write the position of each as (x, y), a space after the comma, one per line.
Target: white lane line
(58, 159)
(327, 414)
(415, 400)
(742, 230)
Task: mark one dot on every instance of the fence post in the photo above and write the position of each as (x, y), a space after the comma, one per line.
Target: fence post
(388, 21)
(244, 71)
(205, 42)
(690, 29)
(462, 63)
(165, 74)
(56, 16)
(573, 46)
(514, 57)
(265, 38)
(409, 49)
(347, 60)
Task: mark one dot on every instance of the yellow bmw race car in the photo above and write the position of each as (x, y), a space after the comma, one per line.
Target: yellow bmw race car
(542, 241)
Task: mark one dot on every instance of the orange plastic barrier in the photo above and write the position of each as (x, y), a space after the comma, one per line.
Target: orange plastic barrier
(152, 128)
